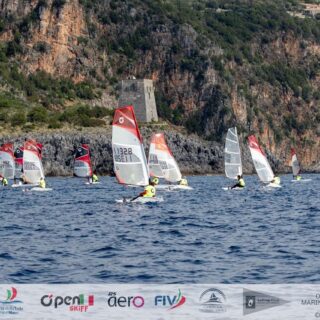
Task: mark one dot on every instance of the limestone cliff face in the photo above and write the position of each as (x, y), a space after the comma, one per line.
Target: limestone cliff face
(57, 31)
(106, 41)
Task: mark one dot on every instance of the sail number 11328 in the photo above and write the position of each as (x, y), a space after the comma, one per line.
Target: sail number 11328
(122, 154)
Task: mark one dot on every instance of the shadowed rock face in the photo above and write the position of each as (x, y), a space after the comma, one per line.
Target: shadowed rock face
(194, 155)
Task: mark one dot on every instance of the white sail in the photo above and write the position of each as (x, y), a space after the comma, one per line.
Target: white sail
(295, 163)
(130, 163)
(260, 161)
(7, 167)
(232, 155)
(161, 160)
(32, 165)
(154, 163)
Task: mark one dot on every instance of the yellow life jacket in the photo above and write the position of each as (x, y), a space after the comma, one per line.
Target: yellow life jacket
(42, 184)
(95, 178)
(4, 182)
(276, 180)
(150, 191)
(298, 178)
(242, 183)
(183, 182)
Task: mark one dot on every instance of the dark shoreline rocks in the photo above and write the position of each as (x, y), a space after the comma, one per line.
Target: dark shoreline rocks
(194, 155)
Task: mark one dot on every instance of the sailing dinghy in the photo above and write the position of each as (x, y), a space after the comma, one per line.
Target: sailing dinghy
(82, 163)
(32, 166)
(7, 167)
(129, 159)
(18, 162)
(261, 163)
(296, 169)
(232, 157)
(162, 163)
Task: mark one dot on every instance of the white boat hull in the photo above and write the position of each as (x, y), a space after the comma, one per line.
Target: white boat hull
(302, 180)
(141, 200)
(24, 185)
(38, 189)
(273, 185)
(229, 188)
(170, 187)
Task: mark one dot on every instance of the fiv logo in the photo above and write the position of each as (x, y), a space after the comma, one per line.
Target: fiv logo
(171, 302)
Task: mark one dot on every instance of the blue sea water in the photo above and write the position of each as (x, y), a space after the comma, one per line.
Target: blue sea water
(78, 234)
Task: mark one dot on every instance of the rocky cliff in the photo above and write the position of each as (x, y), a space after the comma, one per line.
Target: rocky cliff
(193, 154)
(215, 64)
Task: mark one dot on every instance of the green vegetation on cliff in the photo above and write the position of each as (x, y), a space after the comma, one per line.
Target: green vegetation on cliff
(216, 63)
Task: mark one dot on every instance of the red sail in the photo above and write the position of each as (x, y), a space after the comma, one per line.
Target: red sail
(82, 164)
(124, 117)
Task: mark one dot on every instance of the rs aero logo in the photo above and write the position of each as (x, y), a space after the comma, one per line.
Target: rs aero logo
(11, 305)
(77, 303)
(172, 302)
(114, 301)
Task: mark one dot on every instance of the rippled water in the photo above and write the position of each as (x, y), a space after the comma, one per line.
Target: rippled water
(77, 233)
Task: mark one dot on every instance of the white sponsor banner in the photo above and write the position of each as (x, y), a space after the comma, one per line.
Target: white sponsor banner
(159, 302)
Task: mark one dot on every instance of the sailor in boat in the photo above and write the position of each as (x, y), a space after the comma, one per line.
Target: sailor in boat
(149, 191)
(298, 176)
(42, 183)
(4, 181)
(155, 180)
(240, 183)
(183, 181)
(95, 177)
(276, 180)
(23, 179)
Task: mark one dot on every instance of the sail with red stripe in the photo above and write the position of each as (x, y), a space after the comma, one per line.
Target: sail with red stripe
(295, 163)
(162, 163)
(7, 166)
(82, 162)
(260, 161)
(18, 160)
(39, 147)
(130, 163)
(32, 165)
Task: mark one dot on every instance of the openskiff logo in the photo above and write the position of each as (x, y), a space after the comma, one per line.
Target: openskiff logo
(171, 302)
(11, 305)
(213, 301)
(77, 303)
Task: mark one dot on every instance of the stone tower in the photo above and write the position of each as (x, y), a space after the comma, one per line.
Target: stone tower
(139, 94)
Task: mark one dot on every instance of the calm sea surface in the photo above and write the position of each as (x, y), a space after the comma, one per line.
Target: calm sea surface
(78, 234)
